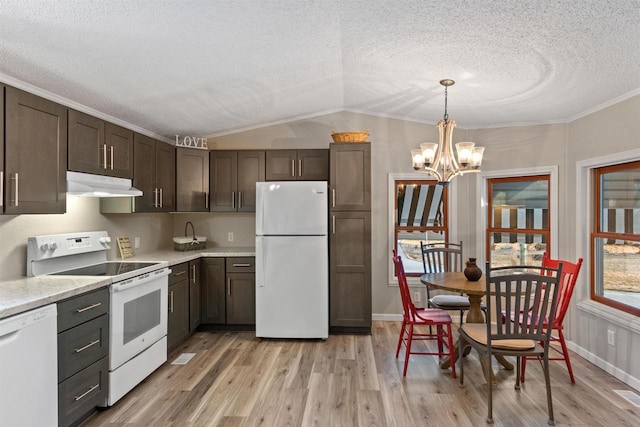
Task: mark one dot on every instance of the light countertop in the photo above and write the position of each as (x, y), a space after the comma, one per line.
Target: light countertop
(26, 293)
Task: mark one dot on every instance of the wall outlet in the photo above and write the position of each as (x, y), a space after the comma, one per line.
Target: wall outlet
(136, 242)
(230, 236)
(416, 296)
(611, 337)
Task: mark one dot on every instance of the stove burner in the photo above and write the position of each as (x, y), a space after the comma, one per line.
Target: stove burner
(106, 269)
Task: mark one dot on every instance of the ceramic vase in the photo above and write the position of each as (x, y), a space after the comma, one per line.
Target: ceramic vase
(472, 272)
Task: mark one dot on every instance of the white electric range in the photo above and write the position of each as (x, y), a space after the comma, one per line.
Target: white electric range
(138, 301)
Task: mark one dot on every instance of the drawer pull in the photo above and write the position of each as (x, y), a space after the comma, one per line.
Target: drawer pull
(86, 392)
(80, 310)
(180, 273)
(91, 344)
(242, 265)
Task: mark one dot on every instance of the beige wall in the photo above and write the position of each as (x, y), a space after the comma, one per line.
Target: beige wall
(615, 129)
(82, 215)
(612, 130)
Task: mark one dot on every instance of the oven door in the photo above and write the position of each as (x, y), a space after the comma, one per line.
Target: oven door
(138, 315)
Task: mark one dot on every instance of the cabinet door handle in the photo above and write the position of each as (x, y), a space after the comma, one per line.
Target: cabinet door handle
(193, 273)
(242, 265)
(229, 286)
(111, 157)
(104, 156)
(89, 307)
(171, 302)
(155, 197)
(161, 198)
(15, 201)
(333, 223)
(299, 167)
(333, 197)
(233, 199)
(239, 199)
(86, 392)
(206, 200)
(293, 168)
(1, 188)
(91, 344)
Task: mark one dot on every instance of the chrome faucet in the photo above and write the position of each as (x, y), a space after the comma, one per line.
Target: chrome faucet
(193, 230)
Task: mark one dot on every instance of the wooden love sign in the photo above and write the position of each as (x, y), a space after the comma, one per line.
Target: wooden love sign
(191, 142)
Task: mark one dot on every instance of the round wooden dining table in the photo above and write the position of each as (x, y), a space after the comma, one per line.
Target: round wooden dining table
(456, 282)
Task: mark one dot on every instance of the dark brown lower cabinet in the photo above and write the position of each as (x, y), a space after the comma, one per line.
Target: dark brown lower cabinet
(178, 304)
(83, 349)
(228, 291)
(213, 291)
(184, 301)
(241, 291)
(178, 317)
(350, 272)
(195, 295)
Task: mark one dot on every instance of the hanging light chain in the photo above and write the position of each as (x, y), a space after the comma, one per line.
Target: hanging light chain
(446, 116)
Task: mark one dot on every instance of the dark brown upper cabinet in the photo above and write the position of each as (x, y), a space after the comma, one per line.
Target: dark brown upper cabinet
(233, 179)
(99, 147)
(192, 180)
(154, 173)
(350, 181)
(35, 154)
(297, 165)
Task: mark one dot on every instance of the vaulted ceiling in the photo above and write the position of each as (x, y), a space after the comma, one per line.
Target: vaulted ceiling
(212, 67)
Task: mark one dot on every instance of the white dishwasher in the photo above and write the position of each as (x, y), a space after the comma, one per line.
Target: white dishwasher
(29, 368)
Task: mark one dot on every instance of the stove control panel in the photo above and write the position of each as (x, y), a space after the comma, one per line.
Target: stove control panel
(51, 253)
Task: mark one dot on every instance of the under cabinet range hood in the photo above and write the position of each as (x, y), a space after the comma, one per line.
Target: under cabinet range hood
(85, 184)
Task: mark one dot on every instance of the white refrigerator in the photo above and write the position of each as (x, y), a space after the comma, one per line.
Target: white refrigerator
(292, 260)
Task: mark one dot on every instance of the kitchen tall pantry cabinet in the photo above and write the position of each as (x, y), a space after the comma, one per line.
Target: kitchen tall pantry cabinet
(34, 178)
(350, 237)
(99, 147)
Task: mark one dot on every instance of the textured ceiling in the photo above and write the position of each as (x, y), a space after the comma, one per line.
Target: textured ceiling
(211, 67)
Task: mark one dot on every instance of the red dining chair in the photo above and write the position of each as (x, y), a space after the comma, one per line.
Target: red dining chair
(567, 284)
(413, 317)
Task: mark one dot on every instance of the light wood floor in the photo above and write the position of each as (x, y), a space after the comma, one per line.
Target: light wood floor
(236, 379)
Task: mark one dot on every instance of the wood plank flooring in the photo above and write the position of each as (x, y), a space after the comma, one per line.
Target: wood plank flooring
(236, 379)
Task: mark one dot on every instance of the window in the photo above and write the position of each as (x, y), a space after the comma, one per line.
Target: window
(420, 214)
(518, 218)
(615, 239)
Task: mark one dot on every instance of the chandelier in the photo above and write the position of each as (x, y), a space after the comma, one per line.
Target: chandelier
(438, 159)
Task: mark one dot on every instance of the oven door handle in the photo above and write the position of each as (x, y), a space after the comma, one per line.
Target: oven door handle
(139, 281)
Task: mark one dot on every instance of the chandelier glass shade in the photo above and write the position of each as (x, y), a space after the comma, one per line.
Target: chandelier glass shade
(439, 160)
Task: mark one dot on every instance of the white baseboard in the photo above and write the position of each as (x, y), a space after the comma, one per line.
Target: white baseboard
(387, 317)
(605, 366)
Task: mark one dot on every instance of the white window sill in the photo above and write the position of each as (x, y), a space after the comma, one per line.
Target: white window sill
(617, 317)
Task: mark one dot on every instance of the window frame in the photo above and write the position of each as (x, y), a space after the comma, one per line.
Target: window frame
(595, 232)
(530, 231)
(483, 190)
(449, 212)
